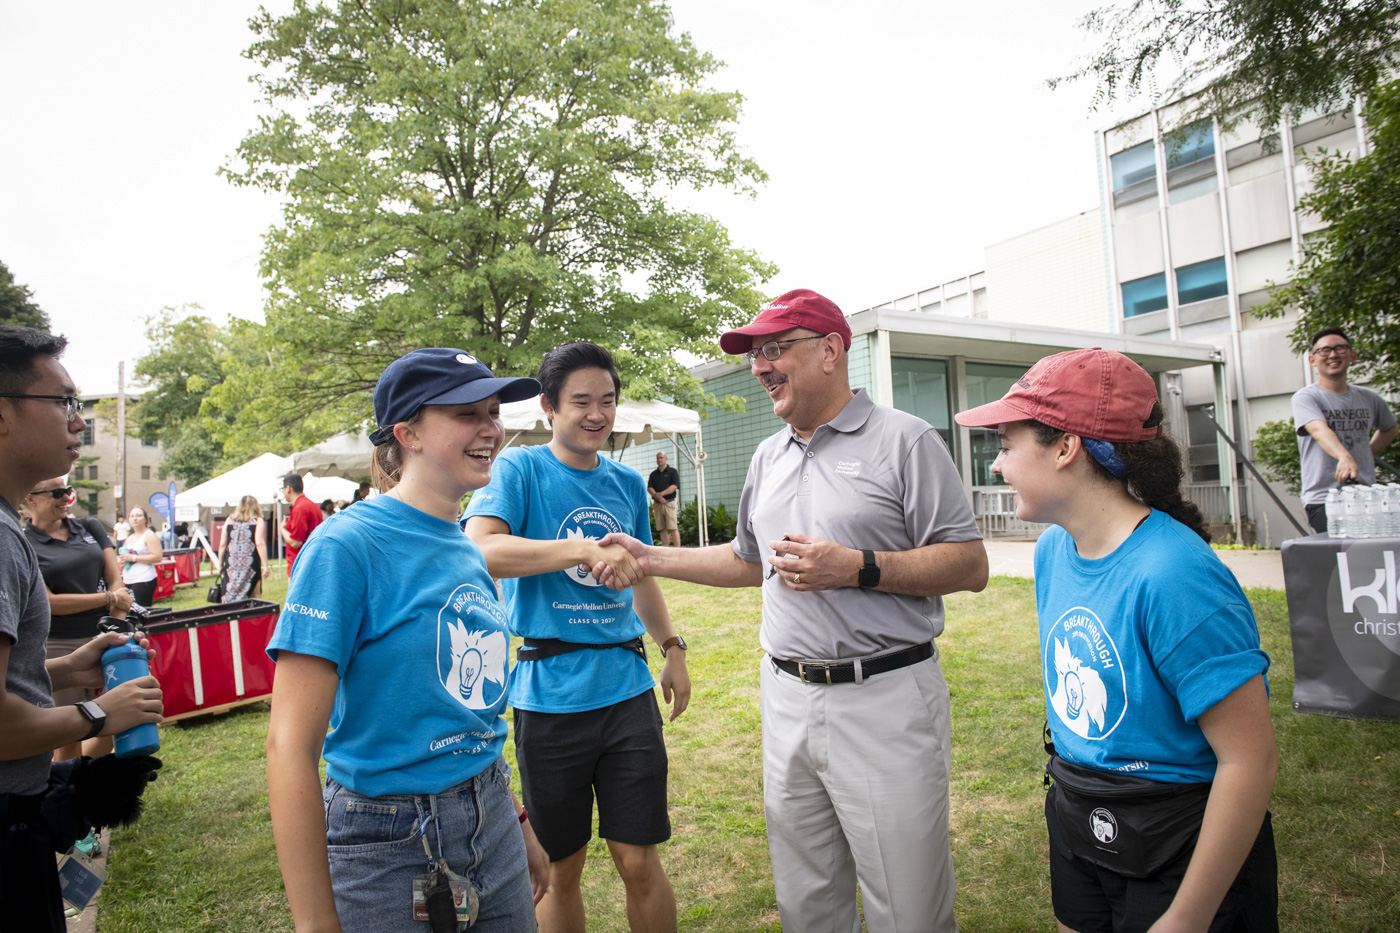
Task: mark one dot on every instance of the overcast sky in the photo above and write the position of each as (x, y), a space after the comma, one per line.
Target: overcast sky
(900, 137)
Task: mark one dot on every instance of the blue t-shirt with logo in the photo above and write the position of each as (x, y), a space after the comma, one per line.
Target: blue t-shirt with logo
(543, 499)
(1136, 645)
(401, 602)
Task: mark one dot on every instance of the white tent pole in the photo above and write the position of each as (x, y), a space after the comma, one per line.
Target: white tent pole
(701, 513)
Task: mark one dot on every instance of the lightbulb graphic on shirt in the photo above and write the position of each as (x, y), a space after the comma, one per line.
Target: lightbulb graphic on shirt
(469, 671)
(472, 648)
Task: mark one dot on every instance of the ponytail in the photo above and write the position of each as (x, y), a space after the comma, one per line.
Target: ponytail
(386, 466)
(1154, 474)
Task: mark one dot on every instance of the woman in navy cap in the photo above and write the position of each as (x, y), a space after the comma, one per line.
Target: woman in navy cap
(392, 636)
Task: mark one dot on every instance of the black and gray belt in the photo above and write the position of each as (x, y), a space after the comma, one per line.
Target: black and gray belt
(844, 672)
(537, 649)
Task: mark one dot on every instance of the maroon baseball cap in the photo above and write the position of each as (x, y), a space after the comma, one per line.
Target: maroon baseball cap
(800, 307)
(1093, 393)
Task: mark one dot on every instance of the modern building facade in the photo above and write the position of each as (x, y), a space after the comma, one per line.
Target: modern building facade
(1197, 222)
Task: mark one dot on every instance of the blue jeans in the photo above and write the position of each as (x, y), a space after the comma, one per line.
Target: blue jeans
(376, 851)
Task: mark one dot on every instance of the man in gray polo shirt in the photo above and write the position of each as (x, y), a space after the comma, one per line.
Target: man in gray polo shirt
(862, 521)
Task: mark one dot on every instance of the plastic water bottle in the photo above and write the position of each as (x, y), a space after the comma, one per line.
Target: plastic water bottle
(1371, 497)
(1392, 504)
(1353, 513)
(1334, 513)
(1385, 510)
(121, 663)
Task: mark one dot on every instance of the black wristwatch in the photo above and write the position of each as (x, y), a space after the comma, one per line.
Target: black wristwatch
(94, 714)
(672, 642)
(869, 574)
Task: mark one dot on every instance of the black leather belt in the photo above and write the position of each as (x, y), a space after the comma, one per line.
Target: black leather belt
(844, 672)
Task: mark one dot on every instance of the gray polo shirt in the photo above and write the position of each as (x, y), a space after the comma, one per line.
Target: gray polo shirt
(24, 621)
(872, 477)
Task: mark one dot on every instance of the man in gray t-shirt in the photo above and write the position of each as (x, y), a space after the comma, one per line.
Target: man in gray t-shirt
(857, 515)
(1341, 427)
(41, 429)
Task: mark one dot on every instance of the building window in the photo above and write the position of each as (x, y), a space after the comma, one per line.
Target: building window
(1144, 295)
(89, 434)
(92, 498)
(146, 443)
(1201, 281)
(1189, 145)
(1134, 174)
(921, 388)
(987, 382)
(92, 471)
(145, 472)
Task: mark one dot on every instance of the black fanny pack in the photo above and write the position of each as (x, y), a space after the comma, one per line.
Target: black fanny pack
(535, 649)
(1127, 824)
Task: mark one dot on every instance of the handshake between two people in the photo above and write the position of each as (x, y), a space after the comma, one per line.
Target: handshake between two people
(621, 561)
(801, 562)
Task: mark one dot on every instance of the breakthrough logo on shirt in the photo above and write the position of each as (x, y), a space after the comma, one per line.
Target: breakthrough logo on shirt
(1084, 676)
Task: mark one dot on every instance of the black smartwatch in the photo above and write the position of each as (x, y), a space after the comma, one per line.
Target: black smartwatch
(94, 714)
(869, 574)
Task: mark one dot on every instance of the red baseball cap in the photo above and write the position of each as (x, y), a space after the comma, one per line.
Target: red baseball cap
(1093, 393)
(800, 307)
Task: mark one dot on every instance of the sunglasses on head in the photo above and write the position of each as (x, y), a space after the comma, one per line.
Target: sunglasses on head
(60, 492)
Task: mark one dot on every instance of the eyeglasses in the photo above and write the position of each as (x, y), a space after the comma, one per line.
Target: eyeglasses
(774, 348)
(61, 492)
(73, 404)
(1334, 350)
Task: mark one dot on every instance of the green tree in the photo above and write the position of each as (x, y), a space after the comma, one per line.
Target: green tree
(490, 174)
(17, 307)
(185, 407)
(1263, 59)
(1276, 452)
(1349, 276)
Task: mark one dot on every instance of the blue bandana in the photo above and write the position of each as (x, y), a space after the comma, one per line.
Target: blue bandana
(1103, 452)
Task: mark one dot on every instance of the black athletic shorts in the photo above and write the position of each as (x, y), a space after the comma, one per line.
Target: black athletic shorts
(1090, 899)
(615, 753)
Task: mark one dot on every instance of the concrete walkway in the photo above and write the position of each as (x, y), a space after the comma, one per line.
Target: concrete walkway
(1013, 557)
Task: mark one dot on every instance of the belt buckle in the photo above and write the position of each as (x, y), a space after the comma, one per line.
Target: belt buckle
(802, 667)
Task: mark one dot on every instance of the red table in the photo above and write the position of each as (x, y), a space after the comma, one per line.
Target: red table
(214, 658)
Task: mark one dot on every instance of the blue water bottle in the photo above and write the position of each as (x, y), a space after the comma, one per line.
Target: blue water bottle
(121, 663)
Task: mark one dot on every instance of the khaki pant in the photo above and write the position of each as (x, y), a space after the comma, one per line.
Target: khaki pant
(664, 515)
(855, 787)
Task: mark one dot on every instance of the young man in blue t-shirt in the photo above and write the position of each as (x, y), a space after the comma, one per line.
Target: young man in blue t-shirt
(586, 719)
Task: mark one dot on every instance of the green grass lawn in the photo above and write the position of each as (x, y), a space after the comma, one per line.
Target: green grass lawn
(203, 859)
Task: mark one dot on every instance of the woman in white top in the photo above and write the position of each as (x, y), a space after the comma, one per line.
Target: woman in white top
(142, 553)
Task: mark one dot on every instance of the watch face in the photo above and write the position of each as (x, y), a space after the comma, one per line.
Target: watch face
(681, 641)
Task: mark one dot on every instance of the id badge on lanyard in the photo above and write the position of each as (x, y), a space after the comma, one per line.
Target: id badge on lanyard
(442, 898)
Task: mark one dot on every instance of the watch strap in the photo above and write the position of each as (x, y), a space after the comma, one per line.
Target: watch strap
(672, 642)
(97, 719)
(869, 571)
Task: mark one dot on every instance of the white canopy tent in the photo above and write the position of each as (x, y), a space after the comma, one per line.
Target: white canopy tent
(348, 454)
(260, 477)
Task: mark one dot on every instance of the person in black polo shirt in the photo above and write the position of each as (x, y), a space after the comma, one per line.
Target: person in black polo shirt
(663, 486)
(80, 570)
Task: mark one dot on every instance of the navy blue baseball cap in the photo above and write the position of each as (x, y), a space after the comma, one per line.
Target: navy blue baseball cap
(438, 376)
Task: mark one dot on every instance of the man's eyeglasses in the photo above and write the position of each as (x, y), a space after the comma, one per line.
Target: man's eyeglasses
(1332, 350)
(774, 348)
(62, 492)
(74, 405)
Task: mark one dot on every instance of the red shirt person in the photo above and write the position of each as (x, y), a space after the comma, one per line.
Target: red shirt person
(303, 518)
